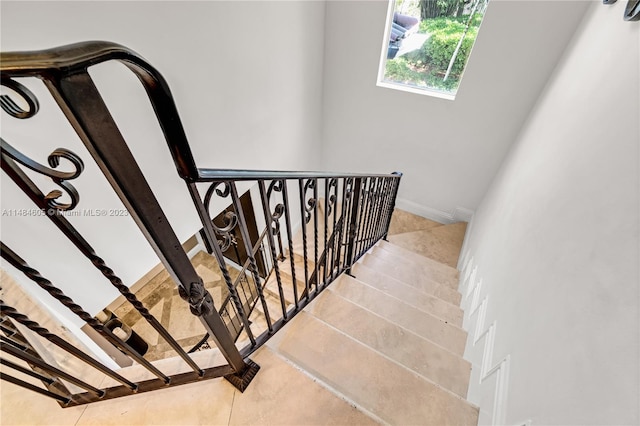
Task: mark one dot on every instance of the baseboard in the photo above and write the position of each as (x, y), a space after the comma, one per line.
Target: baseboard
(460, 214)
(471, 289)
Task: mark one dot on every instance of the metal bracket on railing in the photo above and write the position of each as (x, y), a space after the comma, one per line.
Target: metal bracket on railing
(242, 380)
(200, 300)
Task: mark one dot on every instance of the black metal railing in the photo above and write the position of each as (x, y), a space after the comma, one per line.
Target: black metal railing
(315, 226)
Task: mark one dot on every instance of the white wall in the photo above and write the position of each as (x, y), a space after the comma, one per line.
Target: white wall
(448, 150)
(556, 243)
(247, 79)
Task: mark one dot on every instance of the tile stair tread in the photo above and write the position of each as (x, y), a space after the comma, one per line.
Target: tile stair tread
(275, 394)
(445, 334)
(442, 244)
(379, 385)
(298, 261)
(433, 271)
(394, 248)
(426, 358)
(438, 271)
(174, 365)
(409, 294)
(403, 221)
(271, 287)
(411, 277)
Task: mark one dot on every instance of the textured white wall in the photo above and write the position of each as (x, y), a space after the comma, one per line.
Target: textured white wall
(448, 150)
(247, 79)
(556, 240)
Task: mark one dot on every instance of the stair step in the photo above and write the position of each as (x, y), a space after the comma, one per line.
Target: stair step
(205, 358)
(447, 335)
(298, 261)
(409, 295)
(437, 271)
(271, 287)
(403, 221)
(411, 277)
(373, 382)
(397, 343)
(446, 279)
(442, 243)
(429, 268)
(275, 395)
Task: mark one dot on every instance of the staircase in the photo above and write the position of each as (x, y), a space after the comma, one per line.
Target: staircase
(380, 345)
(389, 339)
(384, 346)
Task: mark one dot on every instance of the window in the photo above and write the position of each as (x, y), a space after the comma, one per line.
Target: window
(427, 44)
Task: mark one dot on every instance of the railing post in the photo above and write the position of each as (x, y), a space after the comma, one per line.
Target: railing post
(393, 203)
(82, 104)
(352, 232)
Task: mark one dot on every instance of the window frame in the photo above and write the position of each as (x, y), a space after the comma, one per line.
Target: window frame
(428, 91)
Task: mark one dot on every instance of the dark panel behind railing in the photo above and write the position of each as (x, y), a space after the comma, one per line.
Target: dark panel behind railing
(338, 216)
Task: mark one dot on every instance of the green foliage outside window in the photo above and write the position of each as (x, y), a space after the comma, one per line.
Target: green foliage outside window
(428, 66)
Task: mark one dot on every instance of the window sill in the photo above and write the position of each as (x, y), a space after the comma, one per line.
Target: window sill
(417, 90)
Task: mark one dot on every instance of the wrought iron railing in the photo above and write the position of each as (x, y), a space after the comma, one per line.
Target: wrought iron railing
(338, 217)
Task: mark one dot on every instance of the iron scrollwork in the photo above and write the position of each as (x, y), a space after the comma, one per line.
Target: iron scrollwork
(230, 218)
(12, 155)
(310, 203)
(348, 190)
(332, 191)
(11, 107)
(278, 211)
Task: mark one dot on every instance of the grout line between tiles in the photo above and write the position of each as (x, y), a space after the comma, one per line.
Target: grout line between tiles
(233, 400)
(81, 414)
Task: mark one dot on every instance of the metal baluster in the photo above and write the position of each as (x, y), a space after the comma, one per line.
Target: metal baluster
(362, 216)
(15, 260)
(22, 345)
(316, 266)
(268, 218)
(353, 225)
(334, 202)
(19, 341)
(373, 214)
(303, 216)
(16, 336)
(326, 224)
(64, 399)
(388, 210)
(61, 343)
(48, 380)
(366, 217)
(375, 199)
(344, 229)
(382, 208)
(31, 190)
(393, 202)
(253, 267)
(7, 347)
(287, 218)
(82, 104)
(217, 252)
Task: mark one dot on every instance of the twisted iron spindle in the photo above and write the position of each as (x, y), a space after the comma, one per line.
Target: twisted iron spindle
(11, 257)
(61, 343)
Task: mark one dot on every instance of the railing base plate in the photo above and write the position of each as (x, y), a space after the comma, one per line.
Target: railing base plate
(241, 380)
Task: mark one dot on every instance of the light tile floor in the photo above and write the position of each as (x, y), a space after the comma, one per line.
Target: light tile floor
(280, 394)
